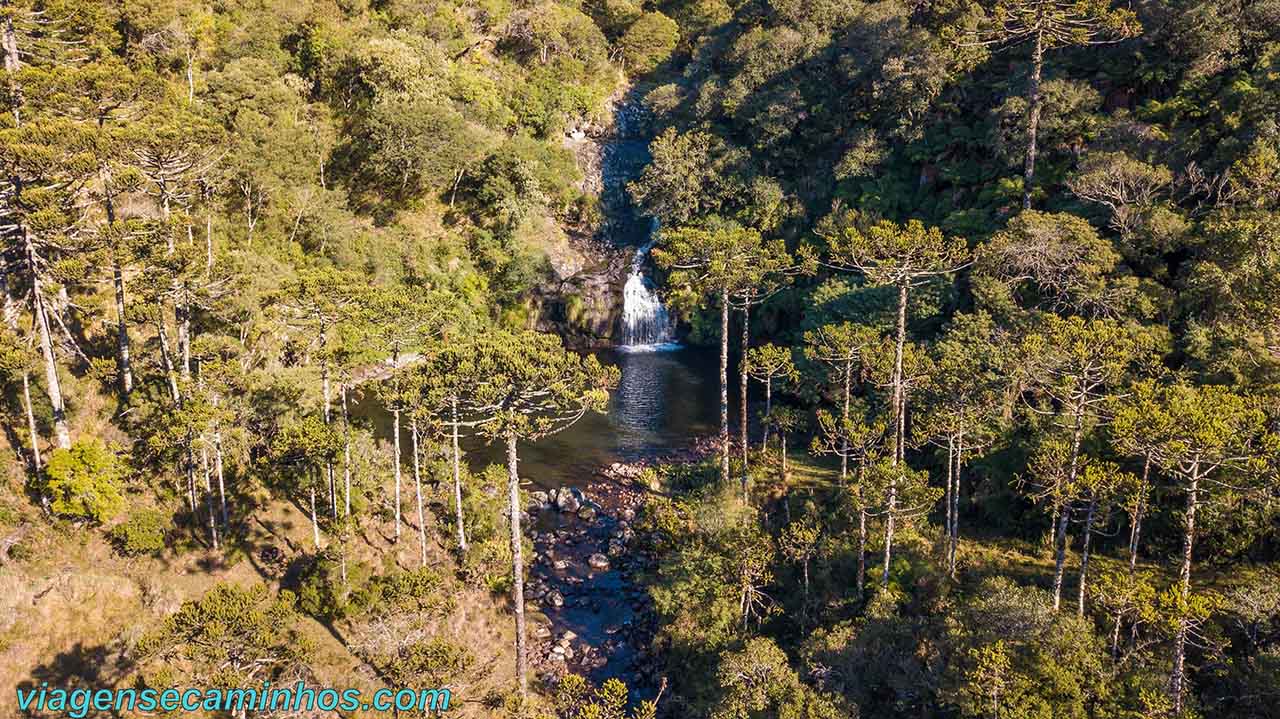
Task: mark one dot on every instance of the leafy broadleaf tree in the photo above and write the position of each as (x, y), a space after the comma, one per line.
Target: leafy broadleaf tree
(85, 481)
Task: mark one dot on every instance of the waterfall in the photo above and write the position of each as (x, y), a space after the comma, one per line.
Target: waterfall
(645, 321)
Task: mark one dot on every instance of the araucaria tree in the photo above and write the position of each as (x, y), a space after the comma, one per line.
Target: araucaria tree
(397, 323)
(1049, 25)
(528, 386)
(1211, 447)
(720, 263)
(1074, 366)
(902, 257)
(963, 405)
(842, 348)
(769, 364)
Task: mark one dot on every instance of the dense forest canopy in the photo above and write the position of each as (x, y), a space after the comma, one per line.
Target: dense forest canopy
(995, 287)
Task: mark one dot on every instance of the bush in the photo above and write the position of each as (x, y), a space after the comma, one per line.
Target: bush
(649, 42)
(322, 593)
(142, 533)
(84, 481)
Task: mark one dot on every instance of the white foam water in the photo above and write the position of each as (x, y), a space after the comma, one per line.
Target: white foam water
(646, 324)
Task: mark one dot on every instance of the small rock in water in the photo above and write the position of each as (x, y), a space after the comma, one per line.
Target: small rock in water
(567, 500)
(568, 635)
(542, 631)
(560, 565)
(555, 599)
(586, 514)
(627, 515)
(598, 561)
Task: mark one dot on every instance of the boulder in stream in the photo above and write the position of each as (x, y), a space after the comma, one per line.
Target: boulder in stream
(569, 499)
(598, 562)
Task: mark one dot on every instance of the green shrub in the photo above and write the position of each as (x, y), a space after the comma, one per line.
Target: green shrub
(84, 481)
(649, 42)
(142, 533)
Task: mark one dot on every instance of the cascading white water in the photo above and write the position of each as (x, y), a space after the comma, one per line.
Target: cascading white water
(646, 323)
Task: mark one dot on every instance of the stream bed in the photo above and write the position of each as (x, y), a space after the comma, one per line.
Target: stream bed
(582, 504)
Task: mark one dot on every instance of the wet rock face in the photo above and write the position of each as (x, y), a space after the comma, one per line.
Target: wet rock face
(585, 306)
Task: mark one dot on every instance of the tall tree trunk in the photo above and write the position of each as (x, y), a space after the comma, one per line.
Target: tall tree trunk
(457, 479)
(768, 409)
(724, 385)
(1064, 510)
(862, 531)
(844, 423)
(1115, 635)
(1135, 528)
(898, 439)
(417, 485)
(806, 581)
(742, 389)
(61, 432)
(898, 389)
(166, 356)
(1178, 676)
(346, 453)
(888, 533)
(12, 62)
(1033, 120)
(315, 522)
(190, 469)
(122, 329)
(11, 320)
(1084, 549)
(208, 494)
(182, 316)
(946, 498)
(327, 392)
(955, 508)
(117, 281)
(217, 465)
(395, 441)
(517, 564)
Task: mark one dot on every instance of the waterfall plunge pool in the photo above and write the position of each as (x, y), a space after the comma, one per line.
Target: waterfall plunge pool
(668, 395)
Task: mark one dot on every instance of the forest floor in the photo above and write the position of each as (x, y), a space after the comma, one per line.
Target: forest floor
(983, 552)
(72, 609)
